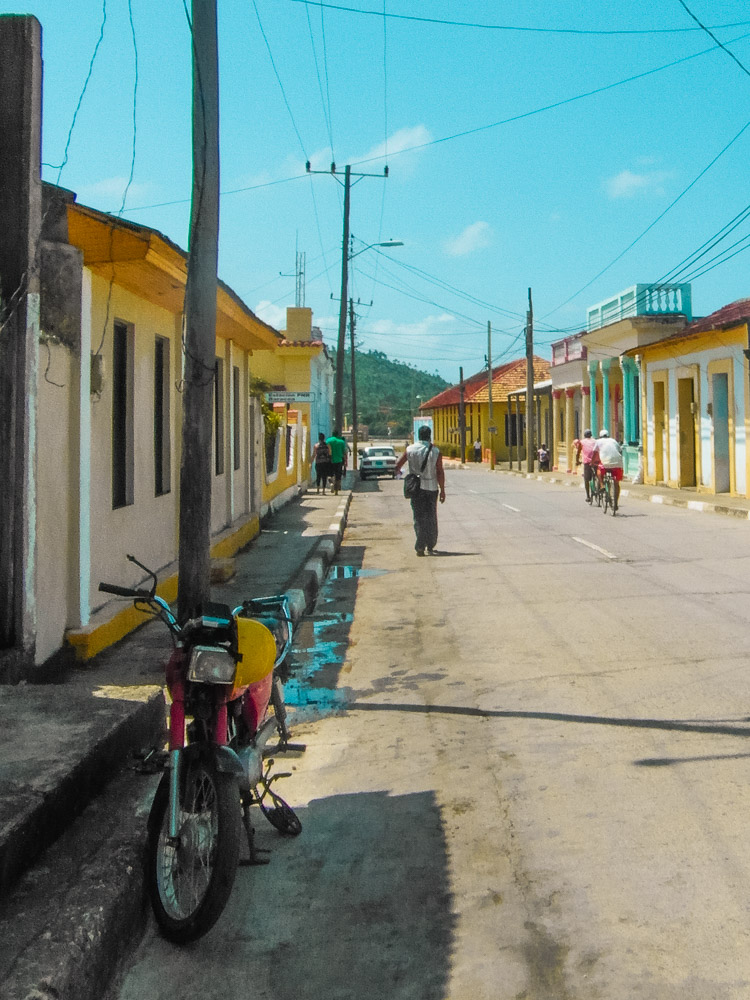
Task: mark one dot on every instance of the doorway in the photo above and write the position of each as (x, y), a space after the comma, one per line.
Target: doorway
(660, 428)
(686, 424)
(720, 386)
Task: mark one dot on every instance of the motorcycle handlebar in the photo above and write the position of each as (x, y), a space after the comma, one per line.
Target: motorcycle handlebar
(112, 588)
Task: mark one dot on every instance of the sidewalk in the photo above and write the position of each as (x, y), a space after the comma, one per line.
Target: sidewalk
(691, 499)
(71, 839)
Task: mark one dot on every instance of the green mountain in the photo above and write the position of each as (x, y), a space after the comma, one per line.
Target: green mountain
(388, 392)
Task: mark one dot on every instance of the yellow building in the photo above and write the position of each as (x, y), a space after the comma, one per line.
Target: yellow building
(299, 374)
(506, 379)
(108, 420)
(695, 404)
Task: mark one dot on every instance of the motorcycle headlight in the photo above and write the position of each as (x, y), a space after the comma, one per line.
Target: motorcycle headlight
(211, 665)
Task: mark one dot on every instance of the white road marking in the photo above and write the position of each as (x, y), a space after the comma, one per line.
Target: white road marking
(516, 509)
(596, 548)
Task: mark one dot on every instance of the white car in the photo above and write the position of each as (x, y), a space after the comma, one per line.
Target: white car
(378, 460)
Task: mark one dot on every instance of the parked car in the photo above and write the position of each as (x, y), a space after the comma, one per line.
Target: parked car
(378, 460)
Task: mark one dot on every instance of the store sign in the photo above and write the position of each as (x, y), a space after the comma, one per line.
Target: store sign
(290, 397)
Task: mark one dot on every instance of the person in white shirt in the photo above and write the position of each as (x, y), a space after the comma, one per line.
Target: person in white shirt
(607, 457)
(426, 462)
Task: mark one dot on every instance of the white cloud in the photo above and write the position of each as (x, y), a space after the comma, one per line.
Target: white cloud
(474, 237)
(110, 191)
(627, 184)
(272, 314)
(402, 141)
(422, 328)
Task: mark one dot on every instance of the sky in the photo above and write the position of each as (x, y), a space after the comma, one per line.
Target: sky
(570, 148)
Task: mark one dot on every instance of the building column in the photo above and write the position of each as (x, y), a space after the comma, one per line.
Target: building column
(605, 366)
(569, 428)
(556, 458)
(628, 402)
(593, 369)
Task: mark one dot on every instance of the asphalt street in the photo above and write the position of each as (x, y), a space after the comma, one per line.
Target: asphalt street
(527, 772)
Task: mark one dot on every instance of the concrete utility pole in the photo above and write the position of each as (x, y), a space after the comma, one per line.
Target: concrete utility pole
(354, 386)
(491, 428)
(338, 405)
(20, 253)
(530, 435)
(461, 414)
(200, 319)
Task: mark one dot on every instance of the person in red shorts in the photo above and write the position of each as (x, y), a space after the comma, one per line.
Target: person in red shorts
(607, 457)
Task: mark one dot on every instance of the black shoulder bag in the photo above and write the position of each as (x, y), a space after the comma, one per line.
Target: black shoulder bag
(411, 480)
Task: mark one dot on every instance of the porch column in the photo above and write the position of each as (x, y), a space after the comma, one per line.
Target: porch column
(569, 427)
(518, 429)
(593, 368)
(628, 402)
(605, 366)
(556, 394)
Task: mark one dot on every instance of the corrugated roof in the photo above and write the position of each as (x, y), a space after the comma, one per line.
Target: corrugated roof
(505, 378)
(730, 315)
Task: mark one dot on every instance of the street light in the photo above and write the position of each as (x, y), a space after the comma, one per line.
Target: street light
(339, 390)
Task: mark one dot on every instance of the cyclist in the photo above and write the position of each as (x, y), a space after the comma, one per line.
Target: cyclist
(585, 453)
(607, 457)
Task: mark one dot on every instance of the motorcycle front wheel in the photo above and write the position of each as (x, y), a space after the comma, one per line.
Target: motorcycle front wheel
(190, 879)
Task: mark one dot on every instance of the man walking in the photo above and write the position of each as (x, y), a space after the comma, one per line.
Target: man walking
(426, 462)
(477, 450)
(337, 448)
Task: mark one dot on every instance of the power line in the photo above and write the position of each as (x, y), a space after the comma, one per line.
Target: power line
(512, 27)
(546, 107)
(278, 78)
(651, 225)
(712, 35)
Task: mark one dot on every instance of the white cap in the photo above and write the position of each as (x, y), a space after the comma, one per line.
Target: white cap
(603, 433)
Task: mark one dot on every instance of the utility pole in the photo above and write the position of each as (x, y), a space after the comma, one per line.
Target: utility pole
(530, 436)
(461, 414)
(20, 253)
(200, 319)
(491, 428)
(338, 406)
(354, 386)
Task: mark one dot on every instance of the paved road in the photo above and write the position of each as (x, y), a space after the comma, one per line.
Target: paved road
(527, 775)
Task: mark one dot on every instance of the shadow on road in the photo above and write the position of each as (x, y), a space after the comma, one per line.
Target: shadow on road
(673, 725)
(358, 906)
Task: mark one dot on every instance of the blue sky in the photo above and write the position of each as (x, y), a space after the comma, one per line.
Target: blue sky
(489, 193)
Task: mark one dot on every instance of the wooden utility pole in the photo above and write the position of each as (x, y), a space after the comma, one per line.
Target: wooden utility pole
(491, 428)
(200, 319)
(338, 402)
(530, 435)
(20, 251)
(462, 414)
(354, 386)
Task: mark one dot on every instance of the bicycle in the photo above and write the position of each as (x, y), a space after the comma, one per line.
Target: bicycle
(608, 491)
(595, 492)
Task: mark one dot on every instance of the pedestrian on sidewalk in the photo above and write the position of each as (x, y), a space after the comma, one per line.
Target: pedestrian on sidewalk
(543, 456)
(338, 449)
(322, 460)
(426, 462)
(478, 450)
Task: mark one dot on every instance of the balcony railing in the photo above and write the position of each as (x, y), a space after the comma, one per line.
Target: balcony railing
(642, 300)
(570, 349)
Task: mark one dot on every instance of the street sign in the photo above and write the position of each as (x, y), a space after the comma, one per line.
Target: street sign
(492, 428)
(290, 397)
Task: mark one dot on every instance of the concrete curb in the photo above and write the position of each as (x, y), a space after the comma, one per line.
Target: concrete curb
(47, 812)
(306, 585)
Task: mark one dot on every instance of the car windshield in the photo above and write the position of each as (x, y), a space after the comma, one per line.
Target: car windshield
(380, 452)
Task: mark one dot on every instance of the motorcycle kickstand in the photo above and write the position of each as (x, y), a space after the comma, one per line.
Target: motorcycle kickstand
(255, 852)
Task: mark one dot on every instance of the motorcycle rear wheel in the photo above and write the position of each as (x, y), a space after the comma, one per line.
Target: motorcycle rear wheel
(190, 881)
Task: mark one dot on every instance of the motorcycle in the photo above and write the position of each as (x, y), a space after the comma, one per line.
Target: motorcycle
(221, 676)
